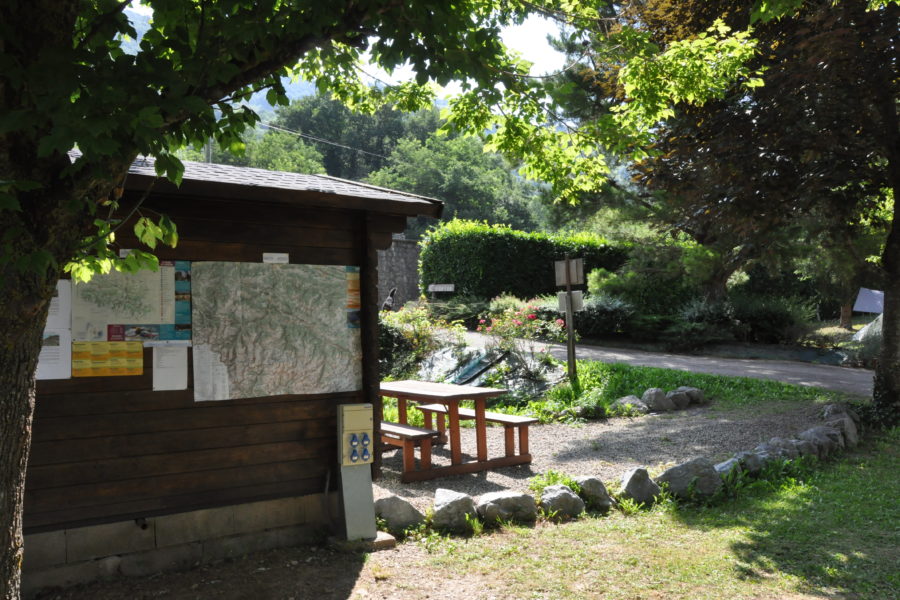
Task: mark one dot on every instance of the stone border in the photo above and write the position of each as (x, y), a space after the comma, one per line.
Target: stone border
(696, 479)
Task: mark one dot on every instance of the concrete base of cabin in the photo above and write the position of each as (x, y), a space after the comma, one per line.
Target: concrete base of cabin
(68, 557)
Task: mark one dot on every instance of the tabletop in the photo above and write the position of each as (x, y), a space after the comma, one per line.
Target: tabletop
(427, 390)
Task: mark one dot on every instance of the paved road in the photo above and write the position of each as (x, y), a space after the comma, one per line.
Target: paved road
(841, 379)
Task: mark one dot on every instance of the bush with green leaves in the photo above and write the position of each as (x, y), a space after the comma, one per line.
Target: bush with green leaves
(490, 260)
(772, 319)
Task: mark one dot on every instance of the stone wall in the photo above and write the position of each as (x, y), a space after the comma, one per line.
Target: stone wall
(68, 557)
(398, 267)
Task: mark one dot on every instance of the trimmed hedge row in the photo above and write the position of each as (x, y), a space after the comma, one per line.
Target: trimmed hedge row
(489, 260)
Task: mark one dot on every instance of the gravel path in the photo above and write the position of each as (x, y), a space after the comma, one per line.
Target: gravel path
(840, 379)
(608, 448)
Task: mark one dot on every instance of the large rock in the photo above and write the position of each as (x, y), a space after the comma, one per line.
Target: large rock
(507, 506)
(594, 493)
(450, 510)
(831, 411)
(752, 462)
(628, 405)
(561, 502)
(681, 400)
(804, 447)
(398, 513)
(725, 468)
(826, 439)
(785, 447)
(637, 486)
(695, 394)
(656, 400)
(844, 423)
(695, 478)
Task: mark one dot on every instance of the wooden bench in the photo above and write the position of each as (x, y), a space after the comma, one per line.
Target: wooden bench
(509, 422)
(408, 437)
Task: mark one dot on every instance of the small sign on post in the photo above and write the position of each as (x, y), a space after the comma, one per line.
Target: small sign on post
(570, 272)
(576, 272)
(441, 287)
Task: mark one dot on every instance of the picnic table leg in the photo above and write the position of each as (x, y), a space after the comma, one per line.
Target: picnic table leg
(523, 439)
(509, 440)
(401, 410)
(425, 449)
(481, 429)
(441, 427)
(455, 452)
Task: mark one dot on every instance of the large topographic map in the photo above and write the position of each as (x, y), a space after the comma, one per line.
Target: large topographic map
(271, 329)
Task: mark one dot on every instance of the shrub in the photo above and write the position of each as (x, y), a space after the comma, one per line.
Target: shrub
(770, 319)
(466, 309)
(604, 315)
(490, 260)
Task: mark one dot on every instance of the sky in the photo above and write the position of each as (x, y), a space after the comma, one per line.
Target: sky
(529, 39)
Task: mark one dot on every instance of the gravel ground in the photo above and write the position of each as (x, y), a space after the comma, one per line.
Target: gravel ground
(607, 449)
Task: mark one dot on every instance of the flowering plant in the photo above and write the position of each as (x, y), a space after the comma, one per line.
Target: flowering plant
(520, 332)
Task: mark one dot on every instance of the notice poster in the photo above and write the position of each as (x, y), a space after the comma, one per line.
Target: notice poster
(271, 329)
(170, 368)
(107, 359)
(60, 314)
(118, 298)
(177, 333)
(55, 359)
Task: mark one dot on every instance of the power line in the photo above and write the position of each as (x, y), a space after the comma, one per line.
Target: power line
(322, 140)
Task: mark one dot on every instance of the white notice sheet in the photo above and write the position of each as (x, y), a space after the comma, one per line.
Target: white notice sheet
(170, 370)
(55, 359)
(60, 315)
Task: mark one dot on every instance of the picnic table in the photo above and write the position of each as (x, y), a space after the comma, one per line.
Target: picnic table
(443, 400)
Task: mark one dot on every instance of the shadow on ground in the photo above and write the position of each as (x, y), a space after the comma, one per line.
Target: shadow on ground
(837, 530)
(301, 573)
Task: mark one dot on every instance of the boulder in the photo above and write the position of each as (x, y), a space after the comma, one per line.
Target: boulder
(844, 423)
(628, 405)
(725, 468)
(637, 486)
(831, 411)
(507, 506)
(825, 439)
(450, 510)
(681, 400)
(695, 394)
(751, 462)
(804, 447)
(786, 448)
(594, 493)
(398, 513)
(561, 502)
(656, 400)
(695, 478)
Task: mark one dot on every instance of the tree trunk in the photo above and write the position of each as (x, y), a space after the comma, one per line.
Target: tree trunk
(887, 374)
(24, 313)
(847, 315)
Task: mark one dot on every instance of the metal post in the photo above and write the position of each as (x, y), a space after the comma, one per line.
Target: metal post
(570, 325)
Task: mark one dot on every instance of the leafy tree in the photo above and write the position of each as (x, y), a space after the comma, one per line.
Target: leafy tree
(474, 185)
(66, 81)
(360, 143)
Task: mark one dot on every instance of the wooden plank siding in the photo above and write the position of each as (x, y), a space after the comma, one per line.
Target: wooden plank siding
(109, 448)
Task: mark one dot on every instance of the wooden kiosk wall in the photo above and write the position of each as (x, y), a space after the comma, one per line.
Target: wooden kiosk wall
(109, 449)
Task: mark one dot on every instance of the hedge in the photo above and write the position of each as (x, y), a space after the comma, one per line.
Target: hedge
(489, 260)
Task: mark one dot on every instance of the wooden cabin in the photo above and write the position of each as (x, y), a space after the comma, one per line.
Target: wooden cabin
(124, 479)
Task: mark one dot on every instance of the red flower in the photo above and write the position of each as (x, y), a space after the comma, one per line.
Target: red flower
(560, 322)
(532, 316)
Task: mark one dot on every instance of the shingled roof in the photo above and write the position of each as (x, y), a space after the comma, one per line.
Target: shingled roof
(225, 181)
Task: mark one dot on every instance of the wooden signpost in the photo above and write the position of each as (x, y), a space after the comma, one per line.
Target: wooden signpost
(570, 272)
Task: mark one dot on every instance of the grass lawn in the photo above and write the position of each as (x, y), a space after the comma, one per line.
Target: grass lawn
(834, 532)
